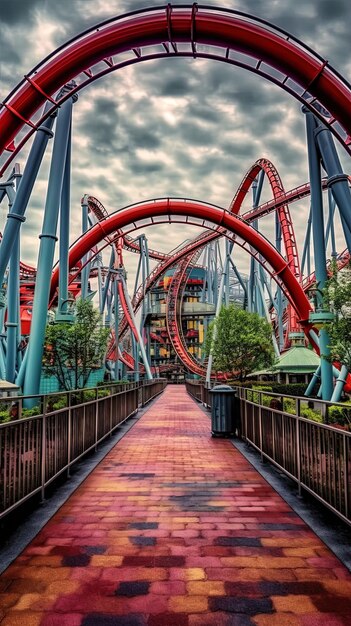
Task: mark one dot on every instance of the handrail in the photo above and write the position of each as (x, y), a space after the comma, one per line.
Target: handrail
(316, 456)
(35, 450)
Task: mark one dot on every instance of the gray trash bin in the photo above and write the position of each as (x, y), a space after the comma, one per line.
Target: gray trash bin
(224, 411)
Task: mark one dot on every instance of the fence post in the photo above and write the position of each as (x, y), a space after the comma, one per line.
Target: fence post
(111, 404)
(96, 418)
(298, 454)
(260, 431)
(43, 452)
(346, 486)
(69, 436)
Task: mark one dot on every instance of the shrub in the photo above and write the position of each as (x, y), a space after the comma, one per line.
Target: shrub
(340, 415)
(102, 393)
(289, 406)
(4, 416)
(35, 410)
(310, 414)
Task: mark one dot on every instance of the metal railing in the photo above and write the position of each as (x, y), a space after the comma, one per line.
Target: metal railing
(315, 455)
(152, 388)
(199, 392)
(35, 450)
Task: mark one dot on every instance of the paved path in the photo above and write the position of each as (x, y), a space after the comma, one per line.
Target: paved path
(174, 528)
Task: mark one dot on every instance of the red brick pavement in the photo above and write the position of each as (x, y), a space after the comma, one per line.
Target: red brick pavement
(174, 528)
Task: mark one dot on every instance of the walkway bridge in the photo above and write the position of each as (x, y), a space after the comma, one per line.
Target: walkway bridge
(173, 527)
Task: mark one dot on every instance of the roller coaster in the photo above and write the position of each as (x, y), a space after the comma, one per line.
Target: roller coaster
(41, 107)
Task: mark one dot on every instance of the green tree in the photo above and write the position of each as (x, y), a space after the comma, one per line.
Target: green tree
(72, 351)
(338, 299)
(243, 342)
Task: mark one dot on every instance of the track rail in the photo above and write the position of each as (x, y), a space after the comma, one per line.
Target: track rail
(229, 36)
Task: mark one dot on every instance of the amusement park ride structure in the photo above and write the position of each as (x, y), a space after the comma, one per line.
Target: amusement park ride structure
(231, 37)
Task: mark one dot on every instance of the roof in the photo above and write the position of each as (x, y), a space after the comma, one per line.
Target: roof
(4, 384)
(297, 360)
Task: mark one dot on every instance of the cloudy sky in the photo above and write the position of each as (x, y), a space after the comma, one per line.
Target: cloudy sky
(179, 127)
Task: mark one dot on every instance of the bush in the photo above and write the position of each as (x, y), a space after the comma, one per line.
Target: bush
(31, 412)
(102, 393)
(340, 415)
(310, 414)
(4, 416)
(289, 406)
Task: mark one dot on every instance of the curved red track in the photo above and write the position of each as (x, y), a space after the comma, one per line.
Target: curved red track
(216, 27)
(290, 245)
(205, 212)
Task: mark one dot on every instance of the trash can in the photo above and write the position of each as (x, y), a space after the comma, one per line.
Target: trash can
(224, 411)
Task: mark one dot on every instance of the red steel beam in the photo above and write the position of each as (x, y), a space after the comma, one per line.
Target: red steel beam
(215, 28)
(197, 210)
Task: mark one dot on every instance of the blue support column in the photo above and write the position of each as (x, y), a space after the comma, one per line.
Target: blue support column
(339, 385)
(107, 281)
(306, 257)
(337, 180)
(136, 358)
(242, 283)
(46, 251)
(279, 295)
(316, 377)
(84, 273)
(65, 216)
(116, 312)
(18, 209)
(12, 312)
(319, 248)
(330, 230)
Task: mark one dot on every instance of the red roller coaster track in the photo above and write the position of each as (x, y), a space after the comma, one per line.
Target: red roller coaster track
(234, 37)
(202, 213)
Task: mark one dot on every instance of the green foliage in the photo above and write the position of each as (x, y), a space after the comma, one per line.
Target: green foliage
(35, 410)
(294, 389)
(77, 347)
(289, 406)
(337, 297)
(242, 342)
(4, 417)
(103, 393)
(340, 415)
(310, 414)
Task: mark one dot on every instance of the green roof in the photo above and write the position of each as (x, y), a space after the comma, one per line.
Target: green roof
(297, 360)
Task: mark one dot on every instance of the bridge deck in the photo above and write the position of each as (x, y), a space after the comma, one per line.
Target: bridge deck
(174, 528)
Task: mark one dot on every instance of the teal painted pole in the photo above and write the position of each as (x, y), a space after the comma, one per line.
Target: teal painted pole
(136, 358)
(84, 274)
(22, 370)
(65, 211)
(318, 248)
(339, 385)
(107, 281)
(46, 251)
(337, 180)
(116, 309)
(242, 283)
(18, 209)
(12, 312)
(316, 377)
(140, 343)
(306, 246)
(225, 269)
(326, 365)
(330, 230)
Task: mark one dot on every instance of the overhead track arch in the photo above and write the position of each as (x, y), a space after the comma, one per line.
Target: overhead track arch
(230, 36)
(204, 215)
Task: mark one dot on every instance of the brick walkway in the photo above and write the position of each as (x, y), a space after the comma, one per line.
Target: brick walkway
(174, 528)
